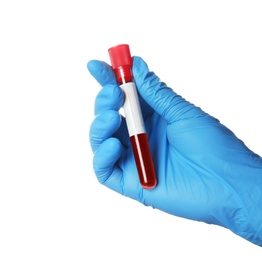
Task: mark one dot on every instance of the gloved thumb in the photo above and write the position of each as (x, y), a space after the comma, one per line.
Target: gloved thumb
(160, 97)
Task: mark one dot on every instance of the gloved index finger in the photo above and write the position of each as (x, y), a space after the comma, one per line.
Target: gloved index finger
(102, 72)
(160, 97)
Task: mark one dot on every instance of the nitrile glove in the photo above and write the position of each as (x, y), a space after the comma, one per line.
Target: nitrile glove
(204, 171)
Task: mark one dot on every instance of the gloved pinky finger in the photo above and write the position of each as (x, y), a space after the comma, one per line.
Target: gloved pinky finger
(104, 164)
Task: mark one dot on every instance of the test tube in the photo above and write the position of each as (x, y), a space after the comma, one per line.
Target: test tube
(122, 62)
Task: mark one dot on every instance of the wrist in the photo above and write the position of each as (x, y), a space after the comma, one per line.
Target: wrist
(245, 181)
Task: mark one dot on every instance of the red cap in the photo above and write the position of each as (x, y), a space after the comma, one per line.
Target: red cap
(121, 61)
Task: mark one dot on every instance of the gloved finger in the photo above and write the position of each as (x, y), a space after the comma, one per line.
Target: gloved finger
(160, 97)
(110, 97)
(103, 127)
(104, 164)
(102, 72)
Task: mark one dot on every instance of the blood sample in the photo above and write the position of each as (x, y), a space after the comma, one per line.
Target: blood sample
(122, 62)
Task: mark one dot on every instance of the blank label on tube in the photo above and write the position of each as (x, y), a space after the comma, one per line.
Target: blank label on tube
(134, 119)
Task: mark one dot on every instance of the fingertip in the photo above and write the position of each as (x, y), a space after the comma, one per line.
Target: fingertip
(103, 127)
(101, 71)
(139, 66)
(143, 77)
(138, 59)
(93, 65)
(112, 145)
(110, 97)
(105, 158)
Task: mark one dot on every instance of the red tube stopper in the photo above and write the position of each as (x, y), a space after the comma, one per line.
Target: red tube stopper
(121, 61)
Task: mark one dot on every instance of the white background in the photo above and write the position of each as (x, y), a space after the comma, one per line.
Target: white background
(51, 205)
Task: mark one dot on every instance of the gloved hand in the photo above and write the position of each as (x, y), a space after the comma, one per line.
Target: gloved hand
(204, 171)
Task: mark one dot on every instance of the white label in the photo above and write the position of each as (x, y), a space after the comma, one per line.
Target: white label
(132, 110)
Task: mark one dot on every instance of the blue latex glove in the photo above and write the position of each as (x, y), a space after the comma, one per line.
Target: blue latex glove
(204, 171)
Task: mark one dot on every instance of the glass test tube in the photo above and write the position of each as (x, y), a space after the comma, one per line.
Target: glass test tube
(122, 62)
